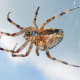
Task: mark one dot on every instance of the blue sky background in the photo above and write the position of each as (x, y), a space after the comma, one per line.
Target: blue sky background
(33, 67)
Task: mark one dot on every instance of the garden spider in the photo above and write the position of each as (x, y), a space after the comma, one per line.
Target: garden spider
(42, 38)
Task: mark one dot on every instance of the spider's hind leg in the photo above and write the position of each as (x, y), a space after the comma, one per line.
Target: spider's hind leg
(35, 18)
(12, 22)
(60, 61)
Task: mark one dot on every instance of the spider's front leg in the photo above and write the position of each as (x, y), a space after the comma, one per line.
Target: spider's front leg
(35, 18)
(12, 22)
(18, 50)
(53, 58)
(11, 34)
(27, 53)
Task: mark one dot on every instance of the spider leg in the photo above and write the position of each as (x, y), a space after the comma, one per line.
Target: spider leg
(54, 17)
(35, 18)
(53, 58)
(37, 48)
(27, 53)
(18, 26)
(11, 34)
(18, 50)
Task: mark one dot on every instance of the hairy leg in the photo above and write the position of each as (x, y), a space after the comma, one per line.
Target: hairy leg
(35, 18)
(11, 34)
(54, 17)
(18, 50)
(12, 22)
(27, 53)
(53, 58)
(37, 50)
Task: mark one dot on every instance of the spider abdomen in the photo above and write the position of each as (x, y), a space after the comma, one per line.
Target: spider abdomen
(50, 41)
(52, 37)
(55, 38)
(53, 41)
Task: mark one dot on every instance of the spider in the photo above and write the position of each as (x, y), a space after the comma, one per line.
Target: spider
(44, 39)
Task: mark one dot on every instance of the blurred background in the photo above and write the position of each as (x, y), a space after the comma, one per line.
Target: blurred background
(34, 67)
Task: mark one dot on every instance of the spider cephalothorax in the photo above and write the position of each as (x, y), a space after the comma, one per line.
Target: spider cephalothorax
(42, 38)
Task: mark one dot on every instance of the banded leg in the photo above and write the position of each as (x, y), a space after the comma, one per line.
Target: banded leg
(27, 53)
(53, 58)
(54, 17)
(13, 34)
(18, 50)
(18, 26)
(37, 50)
(35, 18)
